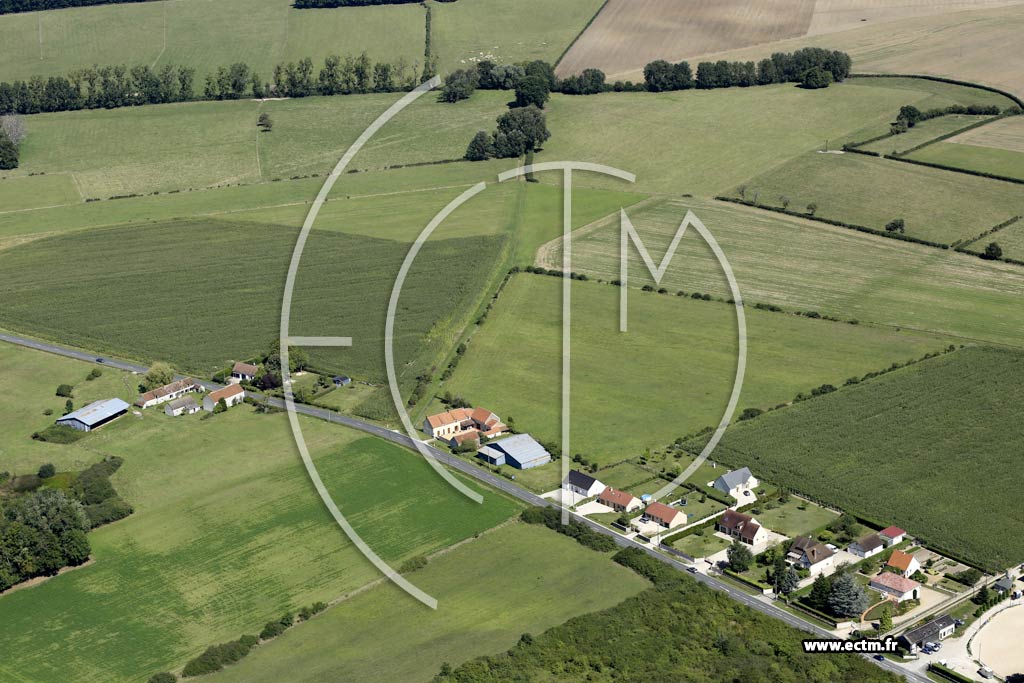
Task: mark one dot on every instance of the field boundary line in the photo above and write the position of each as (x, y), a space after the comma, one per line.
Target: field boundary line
(580, 34)
(164, 48)
(543, 255)
(39, 25)
(37, 208)
(259, 166)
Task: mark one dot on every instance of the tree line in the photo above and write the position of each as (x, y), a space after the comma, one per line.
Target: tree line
(811, 64)
(13, 6)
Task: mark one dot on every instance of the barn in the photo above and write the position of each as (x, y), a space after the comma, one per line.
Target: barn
(94, 415)
(520, 451)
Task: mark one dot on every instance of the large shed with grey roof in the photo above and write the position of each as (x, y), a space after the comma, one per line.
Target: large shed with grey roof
(94, 415)
(520, 451)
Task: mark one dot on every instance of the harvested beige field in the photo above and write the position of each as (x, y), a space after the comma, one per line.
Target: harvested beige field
(831, 16)
(628, 34)
(999, 641)
(981, 46)
(1005, 134)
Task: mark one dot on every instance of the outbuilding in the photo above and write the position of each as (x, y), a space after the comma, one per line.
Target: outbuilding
(896, 587)
(94, 415)
(168, 392)
(520, 451)
(892, 535)
(186, 405)
(933, 631)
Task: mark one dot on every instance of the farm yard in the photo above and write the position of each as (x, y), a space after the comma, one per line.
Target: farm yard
(917, 446)
(211, 550)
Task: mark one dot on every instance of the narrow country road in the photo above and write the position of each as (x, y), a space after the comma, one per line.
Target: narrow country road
(493, 481)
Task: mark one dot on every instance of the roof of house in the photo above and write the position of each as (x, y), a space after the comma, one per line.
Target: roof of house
(900, 560)
(522, 448)
(579, 479)
(97, 411)
(183, 402)
(662, 512)
(745, 525)
(929, 630)
(891, 532)
(226, 392)
(814, 551)
(736, 477)
(168, 389)
(615, 496)
(245, 368)
(467, 436)
(1004, 584)
(869, 542)
(898, 583)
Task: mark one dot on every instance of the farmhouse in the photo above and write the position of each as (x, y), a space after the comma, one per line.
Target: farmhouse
(811, 555)
(582, 484)
(168, 392)
(186, 405)
(892, 535)
(666, 516)
(867, 546)
(903, 563)
(934, 630)
(231, 395)
(736, 483)
(520, 451)
(741, 526)
(898, 588)
(620, 501)
(244, 372)
(94, 415)
(451, 423)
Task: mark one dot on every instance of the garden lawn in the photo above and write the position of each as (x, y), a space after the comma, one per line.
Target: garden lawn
(701, 546)
(382, 635)
(675, 366)
(915, 447)
(789, 520)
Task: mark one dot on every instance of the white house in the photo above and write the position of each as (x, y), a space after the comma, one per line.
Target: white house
(904, 563)
(244, 372)
(232, 394)
(582, 484)
(892, 535)
(867, 546)
(168, 392)
(811, 555)
(934, 631)
(896, 587)
(620, 501)
(453, 423)
(742, 527)
(736, 483)
(666, 516)
(185, 405)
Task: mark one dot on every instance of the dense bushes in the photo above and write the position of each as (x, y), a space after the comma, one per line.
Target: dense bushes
(824, 66)
(551, 517)
(41, 533)
(58, 434)
(12, 6)
(217, 657)
(8, 153)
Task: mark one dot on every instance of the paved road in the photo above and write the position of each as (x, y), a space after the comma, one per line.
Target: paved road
(494, 481)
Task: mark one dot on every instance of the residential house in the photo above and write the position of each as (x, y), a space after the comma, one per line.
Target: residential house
(903, 563)
(447, 425)
(520, 451)
(186, 405)
(896, 587)
(741, 526)
(231, 394)
(244, 372)
(736, 483)
(1004, 584)
(94, 415)
(934, 631)
(811, 555)
(342, 381)
(867, 546)
(666, 516)
(582, 484)
(168, 392)
(620, 501)
(892, 535)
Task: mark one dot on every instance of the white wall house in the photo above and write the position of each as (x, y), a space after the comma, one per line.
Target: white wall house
(582, 484)
(867, 546)
(736, 483)
(232, 395)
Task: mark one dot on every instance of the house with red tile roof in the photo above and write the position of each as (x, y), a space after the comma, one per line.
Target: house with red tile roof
(892, 535)
(666, 516)
(903, 563)
(620, 501)
(896, 587)
(244, 372)
(453, 425)
(231, 395)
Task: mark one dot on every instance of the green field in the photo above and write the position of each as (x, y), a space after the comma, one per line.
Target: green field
(1002, 162)
(937, 205)
(917, 447)
(708, 141)
(674, 367)
(701, 546)
(506, 583)
(1010, 239)
(227, 531)
(204, 35)
(789, 520)
(805, 266)
(922, 133)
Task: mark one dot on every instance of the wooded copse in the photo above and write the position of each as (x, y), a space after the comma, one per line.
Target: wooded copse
(781, 67)
(14, 6)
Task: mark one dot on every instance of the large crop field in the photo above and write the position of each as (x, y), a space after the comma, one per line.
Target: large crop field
(916, 447)
(937, 205)
(227, 531)
(806, 266)
(672, 371)
(508, 582)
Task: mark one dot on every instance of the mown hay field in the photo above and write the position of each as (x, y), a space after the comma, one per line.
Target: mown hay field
(1001, 162)
(923, 132)
(482, 611)
(807, 266)
(227, 533)
(916, 447)
(1010, 239)
(673, 369)
(1006, 134)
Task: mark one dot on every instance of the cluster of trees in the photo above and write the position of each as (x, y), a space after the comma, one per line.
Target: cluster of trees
(551, 517)
(12, 134)
(520, 131)
(909, 115)
(41, 533)
(12, 6)
(812, 66)
(839, 594)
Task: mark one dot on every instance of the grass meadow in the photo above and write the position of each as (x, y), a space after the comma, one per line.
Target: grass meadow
(923, 132)
(806, 266)
(937, 205)
(1003, 162)
(671, 373)
(505, 583)
(917, 447)
(227, 531)
(1010, 238)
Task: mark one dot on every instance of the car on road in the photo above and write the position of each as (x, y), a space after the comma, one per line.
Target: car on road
(692, 570)
(101, 360)
(880, 658)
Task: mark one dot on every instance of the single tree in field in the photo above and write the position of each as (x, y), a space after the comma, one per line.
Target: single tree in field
(993, 251)
(740, 557)
(265, 123)
(847, 597)
(69, 406)
(157, 376)
(46, 471)
(742, 191)
(811, 208)
(784, 201)
(896, 225)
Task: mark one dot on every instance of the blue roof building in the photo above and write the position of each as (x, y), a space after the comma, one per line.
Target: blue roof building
(520, 451)
(94, 415)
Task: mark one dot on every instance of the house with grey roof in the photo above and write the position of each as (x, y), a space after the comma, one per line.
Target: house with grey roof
(933, 631)
(582, 484)
(736, 483)
(94, 415)
(520, 451)
(867, 546)
(186, 405)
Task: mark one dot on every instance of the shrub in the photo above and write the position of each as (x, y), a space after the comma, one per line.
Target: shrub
(95, 373)
(65, 390)
(163, 677)
(58, 434)
(46, 471)
(816, 78)
(412, 564)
